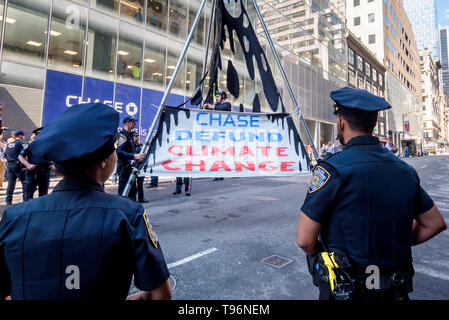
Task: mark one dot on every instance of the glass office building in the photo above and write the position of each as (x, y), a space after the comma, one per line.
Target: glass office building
(57, 53)
(423, 17)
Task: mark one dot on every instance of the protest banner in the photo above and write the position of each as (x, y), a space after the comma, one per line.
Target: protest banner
(203, 143)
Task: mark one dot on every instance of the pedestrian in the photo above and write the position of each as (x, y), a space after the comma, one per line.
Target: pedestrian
(179, 182)
(328, 149)
(79, 242)
(126, 152)
(37, 175)
(361, 228)
(310, 151)
(139, 180)
(323, 150)
(14, 168)
(154, 182)
(407, 152)
(3, 160)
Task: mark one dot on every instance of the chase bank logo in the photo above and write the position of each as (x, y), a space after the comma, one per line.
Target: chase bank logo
(130, 108)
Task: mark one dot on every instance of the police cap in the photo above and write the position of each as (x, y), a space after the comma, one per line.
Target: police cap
(19, 133)
(129, 118)
(349, 100)
(72, 143)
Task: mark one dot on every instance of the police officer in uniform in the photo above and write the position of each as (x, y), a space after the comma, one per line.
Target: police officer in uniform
(126, 152)
(79, 242)
(347, 207)
(37, 174)
(14, 170)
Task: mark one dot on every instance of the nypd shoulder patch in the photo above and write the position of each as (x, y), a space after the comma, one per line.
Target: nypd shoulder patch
(319, 179)
(121, 139)
(151, 233)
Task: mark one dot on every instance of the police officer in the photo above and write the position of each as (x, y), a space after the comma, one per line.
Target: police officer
(79, 242)
(139, 180)
(37, 174)
(14, 169)
(126, 152)
(347, 207)
(179, 181)
(220, 102)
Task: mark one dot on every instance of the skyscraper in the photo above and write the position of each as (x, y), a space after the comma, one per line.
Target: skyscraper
(444, 53)
(423, 17)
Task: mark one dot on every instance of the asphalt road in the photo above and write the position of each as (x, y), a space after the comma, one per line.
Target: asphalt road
(214, 241)
(236, 223)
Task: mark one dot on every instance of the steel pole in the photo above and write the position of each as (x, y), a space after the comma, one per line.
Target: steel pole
(146, 147)
(290, 90)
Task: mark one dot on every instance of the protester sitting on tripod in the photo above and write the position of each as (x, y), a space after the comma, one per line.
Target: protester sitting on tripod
(220, 102)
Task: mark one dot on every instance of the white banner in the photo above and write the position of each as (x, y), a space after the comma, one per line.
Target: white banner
(203, 143)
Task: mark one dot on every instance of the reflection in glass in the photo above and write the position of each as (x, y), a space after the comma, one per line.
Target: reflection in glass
(129, 54)
(154, 62)
(2, 4)
(109, 6)
(157, 11)
(194, 73)
(102, 35)
(198, 36)
(177, 19)
(179, 85)
(67, 35)
(26, 24)
(133, 10)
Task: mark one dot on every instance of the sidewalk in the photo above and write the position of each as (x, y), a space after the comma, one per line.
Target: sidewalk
(17, 195)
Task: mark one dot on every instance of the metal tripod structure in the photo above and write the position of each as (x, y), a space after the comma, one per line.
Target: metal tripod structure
(145, 149)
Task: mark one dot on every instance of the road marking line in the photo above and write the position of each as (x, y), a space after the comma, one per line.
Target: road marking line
(425, 166)
(193, 257)
(430, 272)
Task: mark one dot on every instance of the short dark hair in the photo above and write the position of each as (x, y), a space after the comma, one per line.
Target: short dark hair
(363, 121)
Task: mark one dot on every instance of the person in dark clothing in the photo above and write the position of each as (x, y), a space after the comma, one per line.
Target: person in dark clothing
(140, 195)
(154, 182)
(179, 182)
(220, 102)
(14, 170)
(79, 242)
(126, 153)
(37, 174)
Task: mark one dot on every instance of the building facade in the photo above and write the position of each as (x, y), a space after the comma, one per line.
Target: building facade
(432, 115)
(444, 56)
(57, 53)
(424, 20)
(365, 71)
(383, 26)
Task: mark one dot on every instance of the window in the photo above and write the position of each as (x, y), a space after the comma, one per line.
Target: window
(371, 17)
(177, 19)
(360, 82)
(133, 11)
(360, 63)
(351, 78)
(368, 86)
(129, 54)
(381, 81)
(198, 36)
(356, 3)
(67, 36)
(153, 63)
(351, 56)
(372, 38)
(374, 75)
(101, 36)
(357, 21)
(368, 69)
(109, 6)
(25, 33)
(157, 14)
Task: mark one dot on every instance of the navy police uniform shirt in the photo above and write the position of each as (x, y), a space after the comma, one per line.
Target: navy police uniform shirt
(13, 150)
(78, 243)
(366, 199)
(125, 147)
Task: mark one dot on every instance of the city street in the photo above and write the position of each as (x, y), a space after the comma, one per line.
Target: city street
(214, 241)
